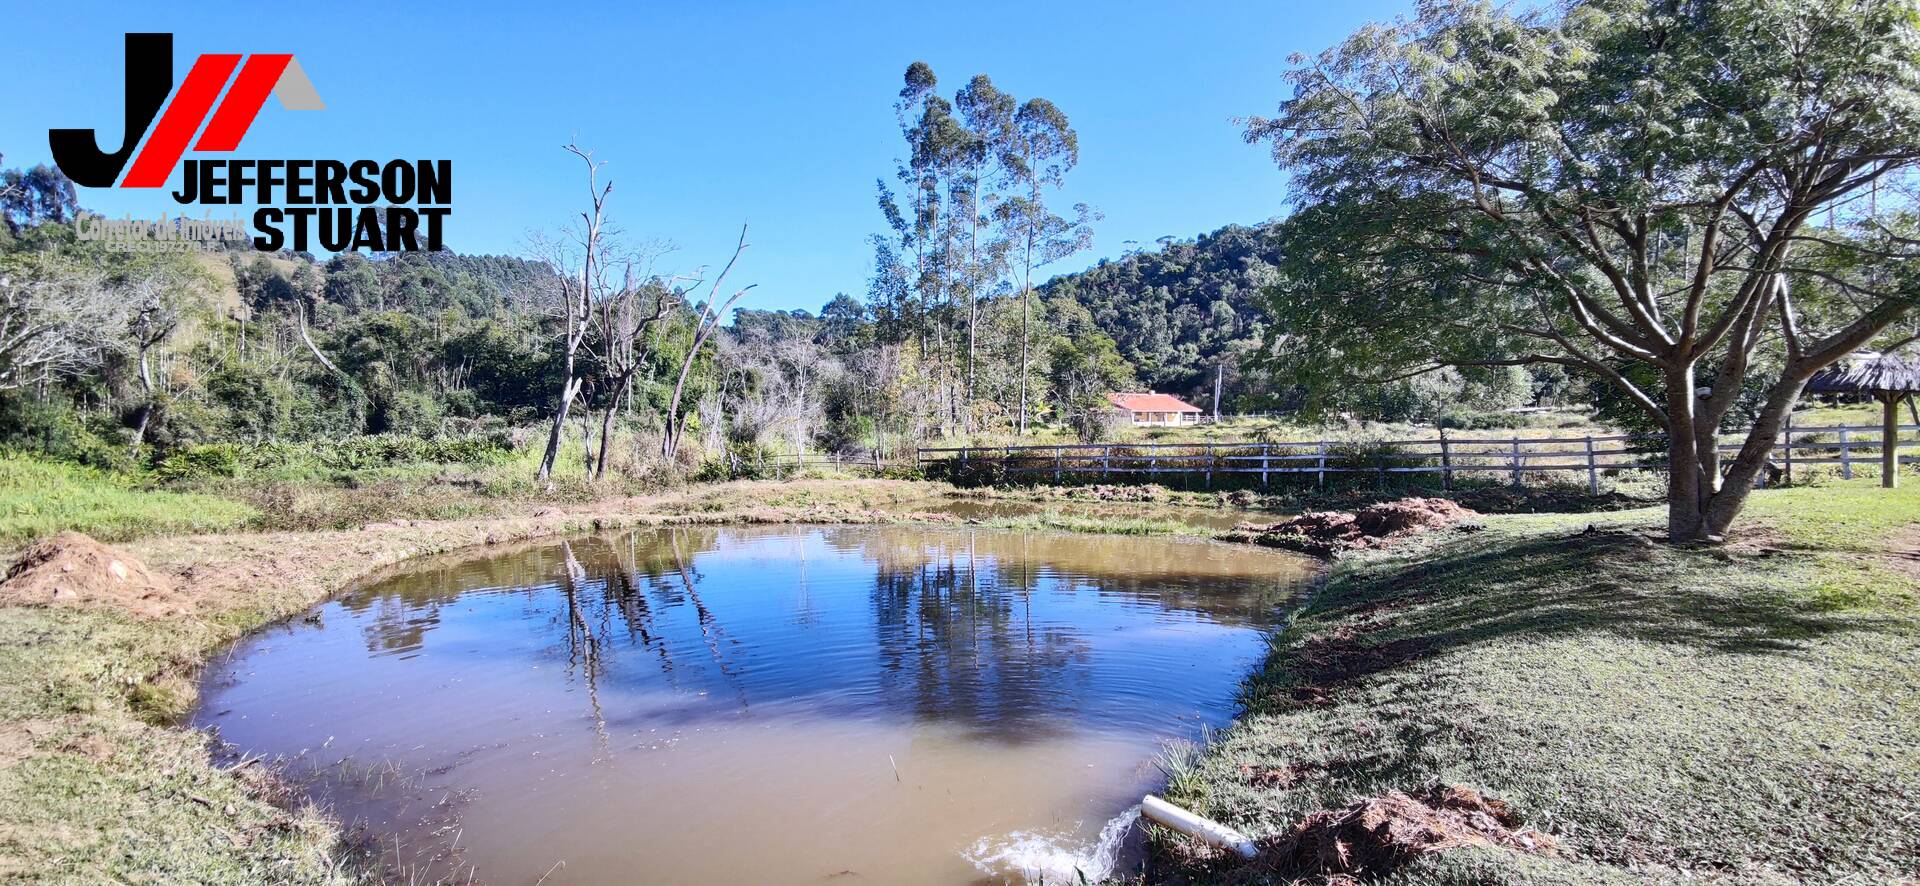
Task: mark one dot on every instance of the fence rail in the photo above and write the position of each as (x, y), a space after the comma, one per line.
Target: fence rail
(1447, 456)
(787, 463)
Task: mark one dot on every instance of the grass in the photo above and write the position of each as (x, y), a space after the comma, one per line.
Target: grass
(40, 497)
(1744, 713)
(1059, 522)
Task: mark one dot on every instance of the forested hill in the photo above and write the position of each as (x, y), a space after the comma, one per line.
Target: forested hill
(1182, 310)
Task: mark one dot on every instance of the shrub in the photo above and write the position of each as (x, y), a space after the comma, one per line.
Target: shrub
(1479, 420)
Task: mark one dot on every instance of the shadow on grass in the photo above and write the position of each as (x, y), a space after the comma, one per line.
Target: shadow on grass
(1612, 582)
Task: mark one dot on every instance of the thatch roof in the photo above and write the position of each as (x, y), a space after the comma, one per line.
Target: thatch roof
(1867, 373)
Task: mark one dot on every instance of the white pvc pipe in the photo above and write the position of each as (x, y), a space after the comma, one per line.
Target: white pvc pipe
(1205, 829)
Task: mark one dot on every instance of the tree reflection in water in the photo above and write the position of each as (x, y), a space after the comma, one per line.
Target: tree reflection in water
(998, 633)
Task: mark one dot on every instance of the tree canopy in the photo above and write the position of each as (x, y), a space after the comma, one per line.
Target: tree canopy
(1707, 189)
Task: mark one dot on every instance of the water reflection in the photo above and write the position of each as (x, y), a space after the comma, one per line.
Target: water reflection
(959, 683)
(953, 629)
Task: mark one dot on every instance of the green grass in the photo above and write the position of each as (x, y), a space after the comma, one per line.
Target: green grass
(40, 498)
(1748, 713)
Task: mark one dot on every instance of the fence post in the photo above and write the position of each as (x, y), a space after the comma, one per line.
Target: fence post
(1446, 462)
(1056, 464)
(1846, 456)
(1516, 460)
(1206, 452)
(1266, 450)
(1320, 474)
(1593, 471)
(1106, 461)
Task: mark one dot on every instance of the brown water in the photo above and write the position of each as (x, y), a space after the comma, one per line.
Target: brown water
(873, 704)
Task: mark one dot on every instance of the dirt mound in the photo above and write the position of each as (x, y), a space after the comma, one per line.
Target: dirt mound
(1324, 532)
(71, 569)
(1376, 835)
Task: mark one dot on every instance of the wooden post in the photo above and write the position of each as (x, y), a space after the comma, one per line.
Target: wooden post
(1106, 461)
(1320, 475)
(1890, 441)
(1846, 456)
(1206, 452)
(1593, 471)
(1516, 460)
(1056, 464)
(1446, 462)
(1266, 451)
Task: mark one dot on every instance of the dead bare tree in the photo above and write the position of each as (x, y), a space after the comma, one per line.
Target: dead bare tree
(55, 323)
(156, 313)
(620, 323)
(708, 320)
(577, 298)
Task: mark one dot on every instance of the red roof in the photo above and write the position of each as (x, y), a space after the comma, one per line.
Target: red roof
(1151, 402)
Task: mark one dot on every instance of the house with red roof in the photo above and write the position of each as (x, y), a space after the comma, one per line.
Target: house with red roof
(1149, 408)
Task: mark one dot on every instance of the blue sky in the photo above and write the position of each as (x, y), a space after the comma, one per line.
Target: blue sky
(711, 114)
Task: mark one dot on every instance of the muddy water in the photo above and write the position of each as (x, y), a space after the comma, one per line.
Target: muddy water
(779, 705)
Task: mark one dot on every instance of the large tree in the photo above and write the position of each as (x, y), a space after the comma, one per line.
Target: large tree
(1700, 189)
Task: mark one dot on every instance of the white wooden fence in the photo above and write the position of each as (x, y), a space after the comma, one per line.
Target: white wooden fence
(1515, 457)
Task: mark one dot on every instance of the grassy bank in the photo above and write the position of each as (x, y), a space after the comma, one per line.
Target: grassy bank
(1746, 713)
(39, 497)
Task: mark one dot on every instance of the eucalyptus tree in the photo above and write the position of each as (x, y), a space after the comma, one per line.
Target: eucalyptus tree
(1698, 189)
(1040, 149)
(989, 116)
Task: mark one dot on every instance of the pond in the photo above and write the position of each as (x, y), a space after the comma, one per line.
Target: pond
(878, 704)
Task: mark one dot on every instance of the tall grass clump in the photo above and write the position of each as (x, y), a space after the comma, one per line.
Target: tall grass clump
(40, 497)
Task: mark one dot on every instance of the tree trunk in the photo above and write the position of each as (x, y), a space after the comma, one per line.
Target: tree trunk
(567, 391)
(1683, 457)
(1026, 310)
(606, 423)
(1719, 512)
(140, 430)
(146, 409)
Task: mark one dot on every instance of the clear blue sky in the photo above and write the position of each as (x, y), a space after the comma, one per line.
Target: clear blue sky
(708, 114)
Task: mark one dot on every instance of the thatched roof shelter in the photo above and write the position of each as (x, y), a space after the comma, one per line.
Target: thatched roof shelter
(1868, 373)
(1887, 378)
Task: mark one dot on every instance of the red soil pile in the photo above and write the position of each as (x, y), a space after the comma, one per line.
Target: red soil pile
(71, 569)
(1325, 532)
(1374, 836)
